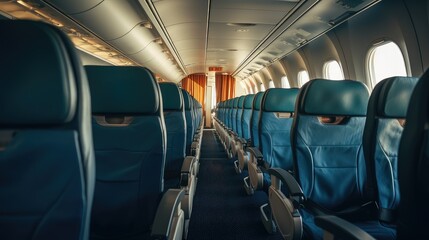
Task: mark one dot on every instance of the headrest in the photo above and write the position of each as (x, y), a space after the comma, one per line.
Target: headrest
(235, 102)
(171, 96)
(394, 96)
(248, 101)
(257, 102)
(38, 82)
(333, 98)
(280, 100)
(123, 89)
(241, 102)
(230, 103)
(186, 99)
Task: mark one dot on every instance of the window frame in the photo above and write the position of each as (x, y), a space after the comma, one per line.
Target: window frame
(299, 77)
(271, 84)
(370, 66)
(326, 67)
(283, 80)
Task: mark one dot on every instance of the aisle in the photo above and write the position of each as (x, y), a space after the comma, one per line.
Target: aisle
(222, 210)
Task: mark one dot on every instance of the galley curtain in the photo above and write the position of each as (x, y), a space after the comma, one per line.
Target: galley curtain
(225, 87)
(195, 84)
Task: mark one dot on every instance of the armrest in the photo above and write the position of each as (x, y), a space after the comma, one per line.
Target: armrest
(195, 145)
(257, 154)
(169, 204)
(243, 142)
(292, 186)
(187, 169)
(341, 228)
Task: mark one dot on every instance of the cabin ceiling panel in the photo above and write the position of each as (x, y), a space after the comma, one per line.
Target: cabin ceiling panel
(223, 31)
(175, 12)
(190, 44)
(222, 15)
(268, 5)
(243, 44)
(125, 15)
(75, 6)
(184, 24)
(134, 41)
(192, 30)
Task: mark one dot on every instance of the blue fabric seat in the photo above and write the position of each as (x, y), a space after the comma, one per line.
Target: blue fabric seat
(275, 125)
(383, 130)
(130, 145)
(239, 119)
(254, 147)
(241, 163)
(329, 165)
(391, 101)
(189, 115)
(237, 135)
(179, 171)
(413, 166)
(174, 118)
(46, 152)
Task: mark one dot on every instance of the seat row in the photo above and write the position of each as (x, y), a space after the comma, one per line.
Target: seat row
(94, 152)
(331, 148)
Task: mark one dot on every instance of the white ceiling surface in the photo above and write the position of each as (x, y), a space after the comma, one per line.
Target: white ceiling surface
(197, 33)
(186, 25)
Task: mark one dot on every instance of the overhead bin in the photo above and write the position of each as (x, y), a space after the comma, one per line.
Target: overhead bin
(128, 33)
(75, 6)
(134, 41)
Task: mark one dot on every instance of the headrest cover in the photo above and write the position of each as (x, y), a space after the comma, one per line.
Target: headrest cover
(186, 99)
(333, 98)
(122, 89)
(248, 101)
(235, 102)
(241, 102)
(280, 100)
(395, 96)
(230, 103)
(257, 102)
(37, 85)
(171, 96)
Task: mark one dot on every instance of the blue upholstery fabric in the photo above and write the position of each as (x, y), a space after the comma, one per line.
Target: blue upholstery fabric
(172, 98)
(413, 165)
(189, 119)
(275, 129)
(247, 114)
(234, 114)
(326, 153)
(396, 96)
(386, 162)
(55, 104)
(239, 119)
(228, 113)
(130, 158)
(174, 117)
(121, 91)
(328, 158)
(375, 228)
(382, 135)
(280, 100)
(344, 99)
(47, 167)
(254, 122)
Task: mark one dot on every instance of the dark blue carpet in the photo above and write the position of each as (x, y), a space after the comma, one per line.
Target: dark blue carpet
(222, 210)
